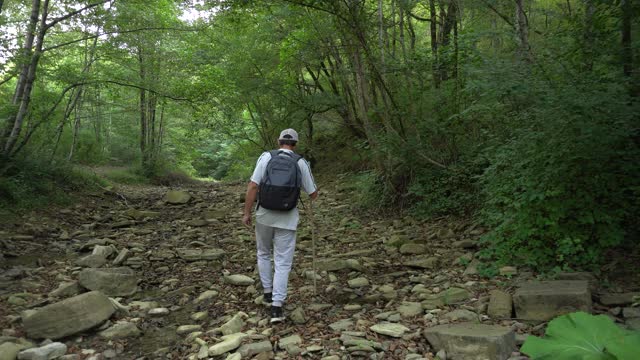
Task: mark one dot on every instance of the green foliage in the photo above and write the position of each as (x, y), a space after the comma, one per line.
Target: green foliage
(123, 175)
(366, 189)
(583, 336)
(562, 189)
(488, 269)
(438, 192)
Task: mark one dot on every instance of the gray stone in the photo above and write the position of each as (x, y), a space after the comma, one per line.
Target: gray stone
(461, 314)
(177, 197)
(207, 295)
(211, 254)
(413, 249)
(190, 254)
(341, 325)
(104, 251)
(66, 289)
(423, 262)
(545, 300)
(465, 244)
(620, 299)
(159, 312)
(234, 325)
(500, 305)
(580, 275)
(143, 305)
(285, 342)
(120, 281)
(70, 357)
(472, 341)
(631, 312)
(92, 261)
(239, 279)
(358, 282)
(251, 349)
(121, 331)
(319, 307)
(187, 329)
(47, 352)
(508, 271)
(472, 268)
(410, 309)
(450, 296)
(9, 351)
(122, 256)
(199, 316)
(234, 356)
(390, 329)
(445, 233)
(633, 324)
(69, 316)
(332, 265)
(204, 352)
(229, 342)
(298, 316)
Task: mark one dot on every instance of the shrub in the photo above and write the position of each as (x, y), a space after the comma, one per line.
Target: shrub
(563, 188)
(28, 184)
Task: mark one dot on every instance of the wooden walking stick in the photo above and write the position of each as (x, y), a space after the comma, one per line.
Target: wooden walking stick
(313, 247)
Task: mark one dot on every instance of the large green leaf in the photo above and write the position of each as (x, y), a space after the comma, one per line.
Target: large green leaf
(583, 336)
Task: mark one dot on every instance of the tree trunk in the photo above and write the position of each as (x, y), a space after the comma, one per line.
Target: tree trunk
(433, 25)
(143, 111)
(25, 97)
(25, 61)
(76, 131)
(523, 31)
(627, 50)
(588, 36)
(450, 19)
(381, 32)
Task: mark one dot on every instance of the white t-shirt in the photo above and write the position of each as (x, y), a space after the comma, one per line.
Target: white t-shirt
(282, 219)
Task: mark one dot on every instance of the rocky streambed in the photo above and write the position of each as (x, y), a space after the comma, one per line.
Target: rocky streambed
(157, 273)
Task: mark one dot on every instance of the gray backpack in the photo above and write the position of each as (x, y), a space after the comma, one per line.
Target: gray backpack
(280, 186)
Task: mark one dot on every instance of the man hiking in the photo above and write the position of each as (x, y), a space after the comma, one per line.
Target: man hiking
(276, 182)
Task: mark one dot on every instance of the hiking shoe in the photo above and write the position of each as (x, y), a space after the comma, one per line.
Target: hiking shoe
(276, 314)
(266, 298)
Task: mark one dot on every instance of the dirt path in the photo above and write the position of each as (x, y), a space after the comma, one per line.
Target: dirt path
(180, 252)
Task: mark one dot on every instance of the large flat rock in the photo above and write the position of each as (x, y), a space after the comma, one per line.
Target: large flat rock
(544, 300)
(120, 281)
(200, 254)
(470, 341)
(68, 317)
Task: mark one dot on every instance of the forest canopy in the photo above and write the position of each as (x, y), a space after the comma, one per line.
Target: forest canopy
(521, 115)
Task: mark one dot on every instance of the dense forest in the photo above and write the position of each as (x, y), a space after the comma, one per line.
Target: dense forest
(520, 115)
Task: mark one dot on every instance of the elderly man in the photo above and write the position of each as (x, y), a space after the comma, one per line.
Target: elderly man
(276, 182)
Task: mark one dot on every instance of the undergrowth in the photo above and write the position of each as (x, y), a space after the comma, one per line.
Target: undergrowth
(32, 184)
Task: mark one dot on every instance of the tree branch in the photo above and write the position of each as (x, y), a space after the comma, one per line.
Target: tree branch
(115, 32)
(505, 18)
(73, 13)
(419, 18)
(143, 88)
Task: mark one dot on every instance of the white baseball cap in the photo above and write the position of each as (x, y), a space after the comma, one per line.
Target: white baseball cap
(288, 134)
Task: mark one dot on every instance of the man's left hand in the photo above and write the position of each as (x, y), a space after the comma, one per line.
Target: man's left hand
(246, 220)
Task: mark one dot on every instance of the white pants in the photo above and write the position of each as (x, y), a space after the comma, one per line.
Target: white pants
(280, 244)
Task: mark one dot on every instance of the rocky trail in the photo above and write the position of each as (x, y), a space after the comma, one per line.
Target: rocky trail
(148, 272)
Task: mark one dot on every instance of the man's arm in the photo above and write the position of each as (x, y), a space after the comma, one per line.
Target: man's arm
(308, 183)
(249, 199)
